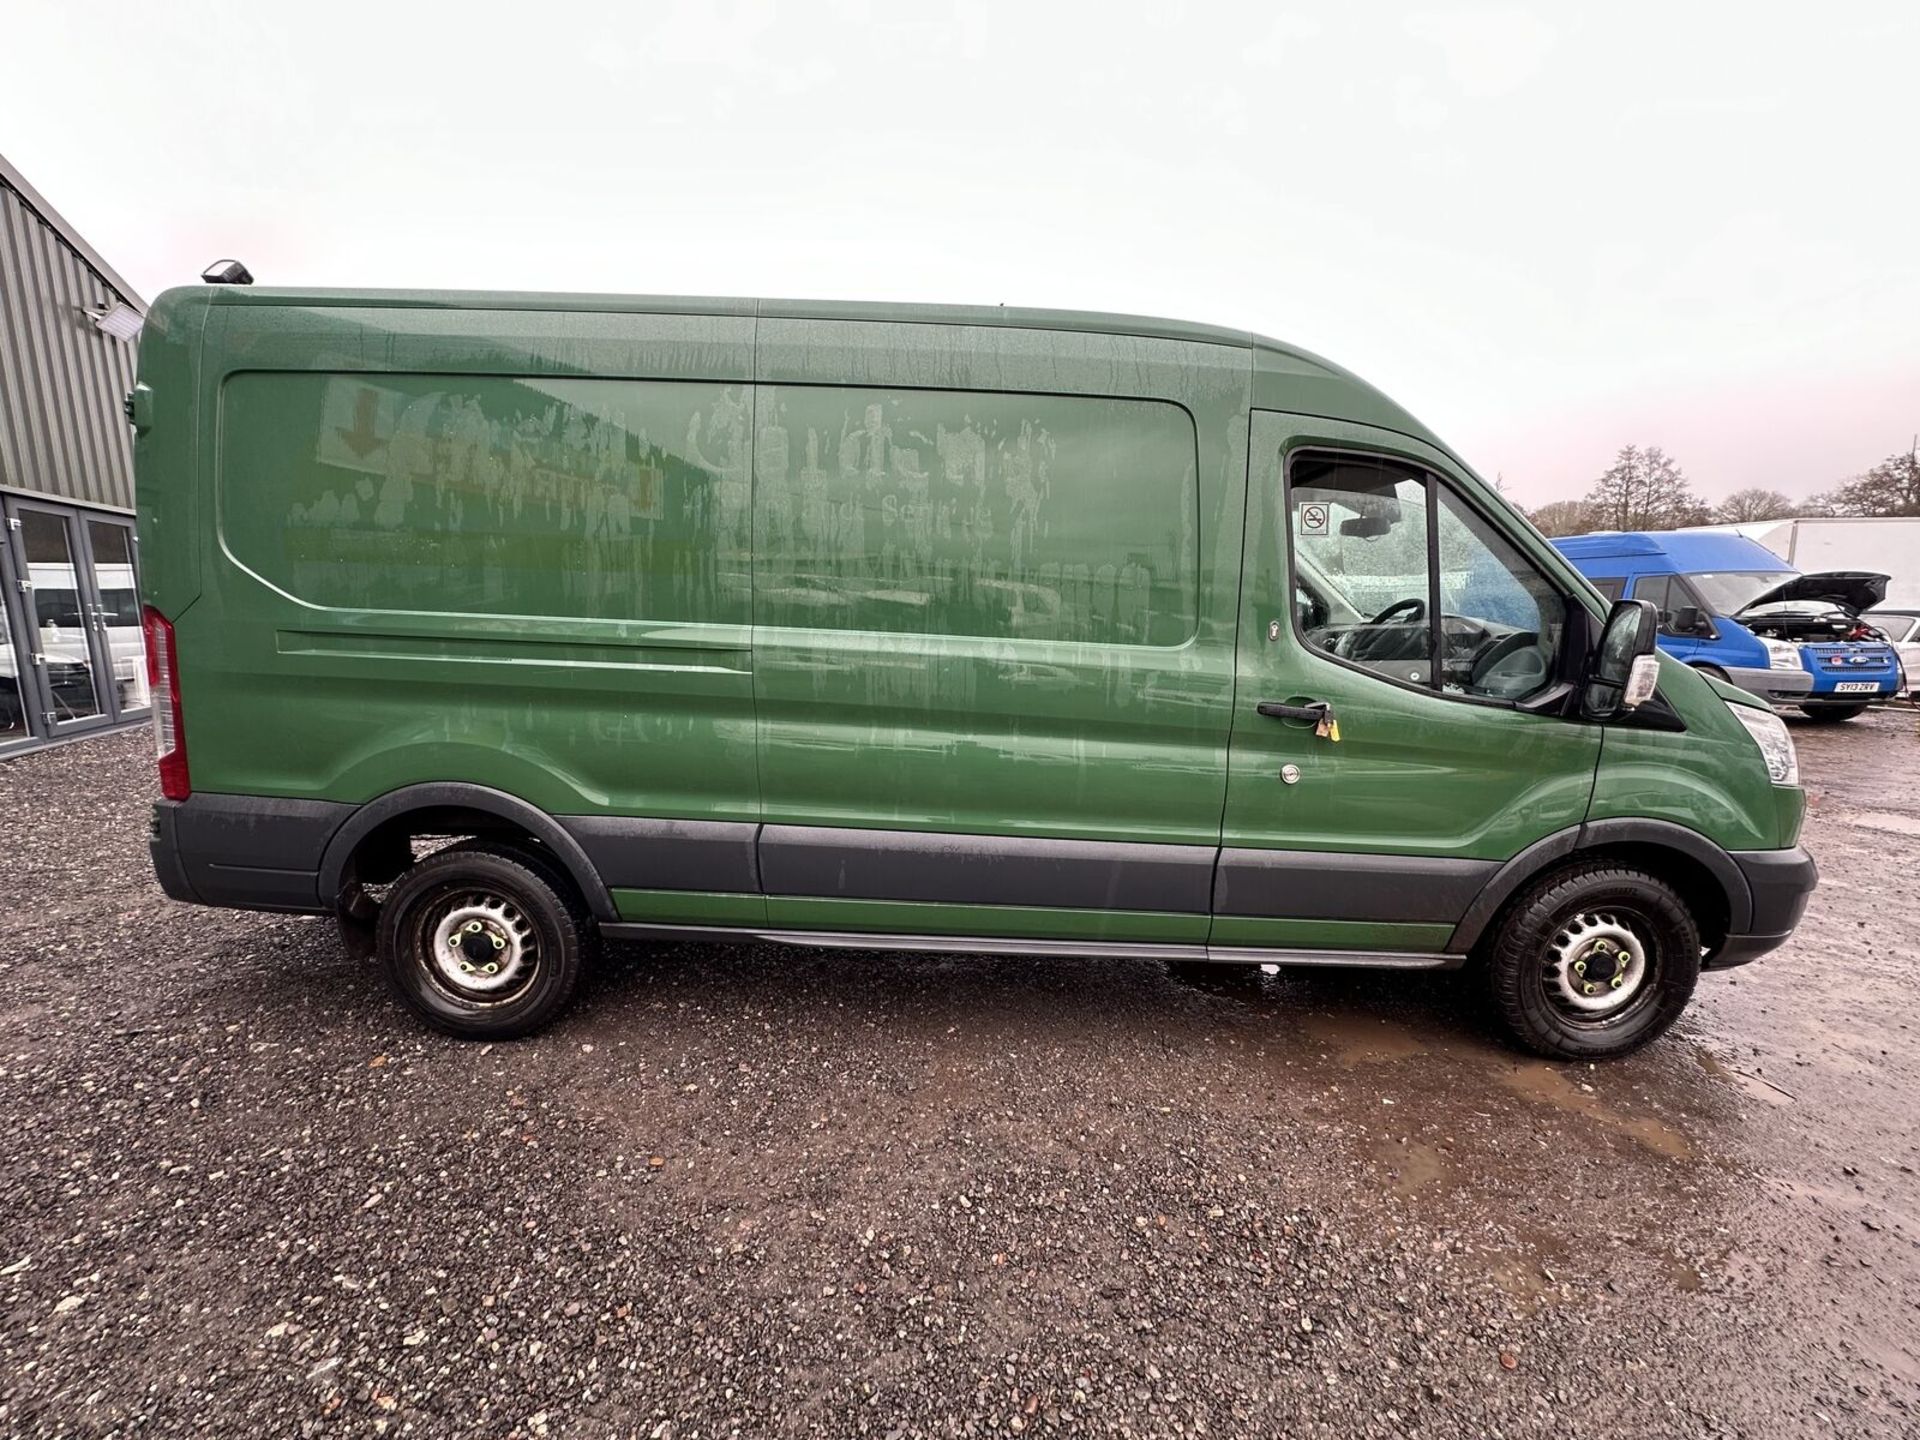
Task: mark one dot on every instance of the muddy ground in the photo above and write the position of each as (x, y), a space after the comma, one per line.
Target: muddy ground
(765, 1191)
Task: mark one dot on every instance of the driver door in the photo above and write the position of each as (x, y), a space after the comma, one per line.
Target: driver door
(1669, 595)
(1380, 839)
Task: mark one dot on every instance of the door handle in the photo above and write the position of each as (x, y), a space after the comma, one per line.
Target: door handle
(1314, 711)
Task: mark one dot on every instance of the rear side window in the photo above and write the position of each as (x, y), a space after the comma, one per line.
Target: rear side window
(942, 512)
(1613, 588)
(619, 499)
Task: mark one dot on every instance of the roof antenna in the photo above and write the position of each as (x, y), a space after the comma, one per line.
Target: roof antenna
(226, 272)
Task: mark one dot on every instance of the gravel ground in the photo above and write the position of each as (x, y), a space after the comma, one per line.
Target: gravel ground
(763, 1191)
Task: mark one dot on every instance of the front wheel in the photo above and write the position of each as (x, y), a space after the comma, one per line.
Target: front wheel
(1832, 714)
(1593, 962)
(481, 943)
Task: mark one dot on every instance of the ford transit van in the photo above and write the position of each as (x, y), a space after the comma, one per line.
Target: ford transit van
(499, 625)
(1732, 608)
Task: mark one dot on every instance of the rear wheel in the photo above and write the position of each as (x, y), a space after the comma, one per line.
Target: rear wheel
(483, 942)
(1831, 714)
(1593, 962)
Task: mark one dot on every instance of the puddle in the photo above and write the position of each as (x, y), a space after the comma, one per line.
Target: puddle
(1363, 1039)
(1543, 1083)
(1887, 820)
(1680, 1274)
(1414, 1164)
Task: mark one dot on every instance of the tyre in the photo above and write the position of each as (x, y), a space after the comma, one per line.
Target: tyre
(1832, 714)
(1592, 962)
(483, 941)
(1714, 670)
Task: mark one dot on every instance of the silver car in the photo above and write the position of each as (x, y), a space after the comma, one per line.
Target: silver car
(1902, 627)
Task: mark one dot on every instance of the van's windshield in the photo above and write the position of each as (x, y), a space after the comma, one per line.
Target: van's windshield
(1728, 592)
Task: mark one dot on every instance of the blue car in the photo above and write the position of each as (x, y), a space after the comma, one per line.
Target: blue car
(1731, 607)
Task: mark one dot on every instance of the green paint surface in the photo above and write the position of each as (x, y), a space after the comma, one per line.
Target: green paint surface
(690, 907)
(1327, 934)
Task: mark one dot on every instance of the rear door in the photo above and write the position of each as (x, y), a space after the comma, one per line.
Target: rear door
(994, 589)
(1378, 840)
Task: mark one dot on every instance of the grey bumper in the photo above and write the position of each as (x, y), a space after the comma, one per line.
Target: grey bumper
(1776, 685)
(249, 852)
(1780, 883)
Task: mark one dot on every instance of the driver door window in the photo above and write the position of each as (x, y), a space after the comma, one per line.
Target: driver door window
(1408, 581)
(1360, 546)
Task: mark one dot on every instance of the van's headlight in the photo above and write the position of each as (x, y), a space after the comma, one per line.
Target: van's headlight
(1776, 745)
(1782, 656)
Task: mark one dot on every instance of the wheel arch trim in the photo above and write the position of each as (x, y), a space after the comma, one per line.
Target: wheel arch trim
(445, 794)
(1551, 850)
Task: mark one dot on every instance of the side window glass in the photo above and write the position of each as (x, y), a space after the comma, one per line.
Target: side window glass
(1612, 589)
(1360, 546)
(1502, 622)
(1667, 597)
(1654, 588)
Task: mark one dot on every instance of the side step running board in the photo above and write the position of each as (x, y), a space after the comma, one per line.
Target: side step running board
(994, 945)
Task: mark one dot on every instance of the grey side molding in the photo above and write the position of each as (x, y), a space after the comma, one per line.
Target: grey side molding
(932, 866)
(642, 854)
(1347, 885)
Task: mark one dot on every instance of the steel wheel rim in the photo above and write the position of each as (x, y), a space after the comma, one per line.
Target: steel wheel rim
(480, 947)
(1599, 966)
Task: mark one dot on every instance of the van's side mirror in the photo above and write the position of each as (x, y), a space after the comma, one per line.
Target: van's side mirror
(1624, 669)
(1690, 620)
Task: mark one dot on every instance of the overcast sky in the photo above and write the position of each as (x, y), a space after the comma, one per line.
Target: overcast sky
(1548, 230)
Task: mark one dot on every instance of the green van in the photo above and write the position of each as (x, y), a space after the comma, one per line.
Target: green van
(496, 625)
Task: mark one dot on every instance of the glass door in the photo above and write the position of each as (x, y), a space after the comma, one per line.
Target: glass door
(18, 692)
(69, 672)
(116, 614)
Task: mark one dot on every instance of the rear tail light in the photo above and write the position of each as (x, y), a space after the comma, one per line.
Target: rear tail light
(163, 678)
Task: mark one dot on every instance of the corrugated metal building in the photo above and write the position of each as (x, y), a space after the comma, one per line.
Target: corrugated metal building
(70, 654)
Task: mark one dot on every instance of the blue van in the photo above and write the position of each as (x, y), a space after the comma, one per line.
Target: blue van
(1731, 607)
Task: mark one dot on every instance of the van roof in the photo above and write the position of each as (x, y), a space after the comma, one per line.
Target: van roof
(1686, 551)
(1284, 376)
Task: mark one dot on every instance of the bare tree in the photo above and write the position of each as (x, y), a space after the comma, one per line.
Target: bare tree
(1753, 504)
(1890, 488)
(1645, 489)
(1563, 517)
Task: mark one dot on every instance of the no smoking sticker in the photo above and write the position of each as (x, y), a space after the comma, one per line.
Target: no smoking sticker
(1313, 518)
